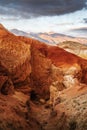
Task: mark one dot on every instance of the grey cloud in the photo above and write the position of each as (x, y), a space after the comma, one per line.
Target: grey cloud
(34, 8)
(85, 20)
(82, 29)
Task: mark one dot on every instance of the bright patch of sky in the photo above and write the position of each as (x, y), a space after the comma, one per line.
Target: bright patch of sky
(60, 24)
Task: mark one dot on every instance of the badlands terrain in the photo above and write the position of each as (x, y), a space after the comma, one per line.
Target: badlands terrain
(42, 87)
(75, 48)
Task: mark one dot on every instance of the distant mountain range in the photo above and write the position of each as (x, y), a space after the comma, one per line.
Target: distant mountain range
(50, 38)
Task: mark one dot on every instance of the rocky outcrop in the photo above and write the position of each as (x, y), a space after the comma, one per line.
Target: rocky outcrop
(15, 56)
(50, 79)
(55, 67)
(6, 85)
(84, 72)
(71, 77)
(41, 71)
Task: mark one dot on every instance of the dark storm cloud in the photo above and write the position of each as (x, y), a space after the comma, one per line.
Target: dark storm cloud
(28, 8)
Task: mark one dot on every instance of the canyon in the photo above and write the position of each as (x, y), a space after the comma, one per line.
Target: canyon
(42, 86)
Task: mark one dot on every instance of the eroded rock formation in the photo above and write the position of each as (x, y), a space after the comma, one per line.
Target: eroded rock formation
(15, 55)
(52, 84)
(6, 85)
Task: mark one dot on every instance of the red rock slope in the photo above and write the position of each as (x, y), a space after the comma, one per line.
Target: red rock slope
(44, 56)
(15, 56)
(48, 70)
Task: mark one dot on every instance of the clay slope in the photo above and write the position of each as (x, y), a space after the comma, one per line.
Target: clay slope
(75, 48)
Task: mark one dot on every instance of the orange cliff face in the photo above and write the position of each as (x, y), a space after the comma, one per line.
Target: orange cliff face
(40, 72)
(61, 57)
(58, 56)
(3, 31)
(62, 73)
(44, 56)
(30, 62)
(15, 56)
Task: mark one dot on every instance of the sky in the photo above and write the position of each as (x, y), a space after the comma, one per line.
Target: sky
(60, 16)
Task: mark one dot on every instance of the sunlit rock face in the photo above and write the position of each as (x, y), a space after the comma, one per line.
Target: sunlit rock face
(55, 66)
(15, 55)
(57, 78)
(57, 74)
(57, 83)
(62, 79)
(70, 79)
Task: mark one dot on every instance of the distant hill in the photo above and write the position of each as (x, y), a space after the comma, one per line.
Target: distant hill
(75, 48)
(50, 38)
